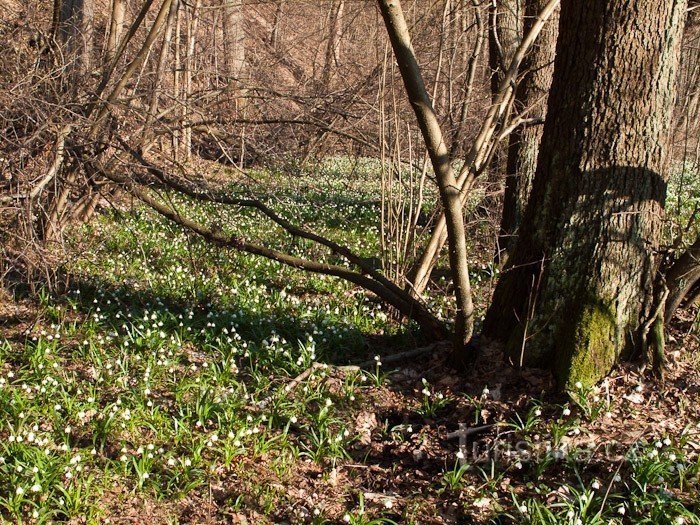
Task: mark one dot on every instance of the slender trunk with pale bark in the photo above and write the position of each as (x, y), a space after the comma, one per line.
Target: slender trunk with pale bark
(334, 41)
(116, 28)
(417, 93)
(505, 33)
(234, 40)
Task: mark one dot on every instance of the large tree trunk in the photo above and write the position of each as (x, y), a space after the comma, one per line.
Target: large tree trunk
(530, 96)
(580, 284)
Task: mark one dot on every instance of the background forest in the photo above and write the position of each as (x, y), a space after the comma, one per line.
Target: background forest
(349, 261)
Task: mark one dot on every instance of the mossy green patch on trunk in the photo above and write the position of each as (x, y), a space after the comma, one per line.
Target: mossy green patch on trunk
(588, 347)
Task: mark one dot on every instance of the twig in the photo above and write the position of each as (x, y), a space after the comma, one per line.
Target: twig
(416, 352)
(301, 377)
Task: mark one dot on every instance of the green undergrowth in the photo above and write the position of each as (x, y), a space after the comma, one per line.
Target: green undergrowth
(165, 374)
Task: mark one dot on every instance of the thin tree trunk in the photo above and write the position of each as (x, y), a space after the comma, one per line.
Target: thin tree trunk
(177, 88)
(578, 291)
(505, 33)
(105, 104)
(160, 71)
(275, 34)
(334, 41)
(189, 72)
(234, 40)
(447, 183)
(524, 143)
(478, 154)
(116, 28)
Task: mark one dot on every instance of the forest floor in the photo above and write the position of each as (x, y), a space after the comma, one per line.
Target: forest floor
(175, 382)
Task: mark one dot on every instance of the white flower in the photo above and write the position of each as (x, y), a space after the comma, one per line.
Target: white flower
(595, 485)
(579, 385)
(460, 455)
(621, 510)
(566, 412)
(36, 488)
(523, 509)
(538, 412)
(19, 491)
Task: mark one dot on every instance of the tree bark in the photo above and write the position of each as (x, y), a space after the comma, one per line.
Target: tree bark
(524, 142)
(334, 41)
(505, 33)
(116, 28)
(160, 73)
(275, 35)
(72, 29)
(234, 39)
(681, 278)
(579, 287)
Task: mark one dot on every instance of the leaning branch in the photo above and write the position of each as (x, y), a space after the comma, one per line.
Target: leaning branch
(401, 300)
